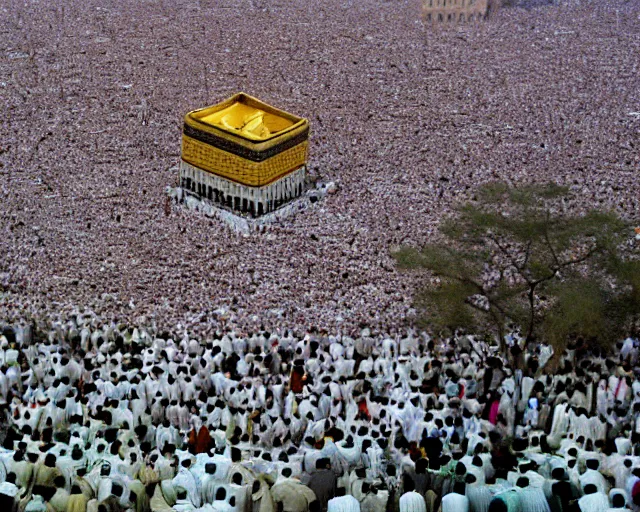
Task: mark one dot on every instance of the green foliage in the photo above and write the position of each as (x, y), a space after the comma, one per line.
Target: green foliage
(580, 309)
(513, 257)
(450, 301)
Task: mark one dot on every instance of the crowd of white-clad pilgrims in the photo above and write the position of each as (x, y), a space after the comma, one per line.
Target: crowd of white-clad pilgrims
(103, 417)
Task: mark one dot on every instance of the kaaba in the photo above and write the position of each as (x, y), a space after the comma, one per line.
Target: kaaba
(244, 155)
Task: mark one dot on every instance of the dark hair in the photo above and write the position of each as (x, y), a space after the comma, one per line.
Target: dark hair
(459, 487)
(618, 500)
(593, 464)
(116, 489)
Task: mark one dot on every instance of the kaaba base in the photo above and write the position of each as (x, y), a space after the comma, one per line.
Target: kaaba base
(235, 196)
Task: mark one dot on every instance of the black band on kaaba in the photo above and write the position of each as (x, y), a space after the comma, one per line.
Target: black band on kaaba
(241, 151)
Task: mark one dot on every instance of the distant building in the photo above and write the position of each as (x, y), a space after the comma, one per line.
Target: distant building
(454, 11)
(244, 155)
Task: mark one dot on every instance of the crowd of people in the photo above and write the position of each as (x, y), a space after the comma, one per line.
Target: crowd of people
(254, 410)
(407, 119)
(104, 417)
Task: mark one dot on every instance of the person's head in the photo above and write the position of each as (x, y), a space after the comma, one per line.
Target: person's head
(323, 463)
(116, 490)
(114, 449)
(593, 464)
(459, 488)
(221, 494)
(523, 481)
(590, 489)
(618, 500)
(76, 453)
(237, 478)
(409, 485)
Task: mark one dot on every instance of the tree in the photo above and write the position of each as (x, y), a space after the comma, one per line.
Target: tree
(515, 259)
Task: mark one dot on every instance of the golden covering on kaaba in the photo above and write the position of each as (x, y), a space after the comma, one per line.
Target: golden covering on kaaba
(245, 140)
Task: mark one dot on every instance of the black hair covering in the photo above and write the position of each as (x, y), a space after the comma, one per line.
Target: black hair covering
(618, 500)
(459, 487)
(497, 505)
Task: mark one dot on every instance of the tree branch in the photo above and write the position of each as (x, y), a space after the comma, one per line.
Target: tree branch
(555, 269)
(512, 260)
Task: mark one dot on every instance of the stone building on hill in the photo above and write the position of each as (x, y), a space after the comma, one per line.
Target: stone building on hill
(454, 11)
(244, 155)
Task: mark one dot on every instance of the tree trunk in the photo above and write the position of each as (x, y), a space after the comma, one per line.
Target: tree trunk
(531, 296)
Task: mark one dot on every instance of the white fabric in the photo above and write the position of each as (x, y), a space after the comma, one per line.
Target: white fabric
(454, 502)
(596, 502)
(413, 502)
(344, 504)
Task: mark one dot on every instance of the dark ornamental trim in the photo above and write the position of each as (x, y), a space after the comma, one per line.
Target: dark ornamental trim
(241, 151)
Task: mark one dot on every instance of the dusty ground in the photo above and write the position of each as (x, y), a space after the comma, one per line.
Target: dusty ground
(406, 119)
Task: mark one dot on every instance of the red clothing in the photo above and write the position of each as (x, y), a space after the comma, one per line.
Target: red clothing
(203, 442)
(363, 410)
(200, 441)
(296, 380)
(493, 413)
